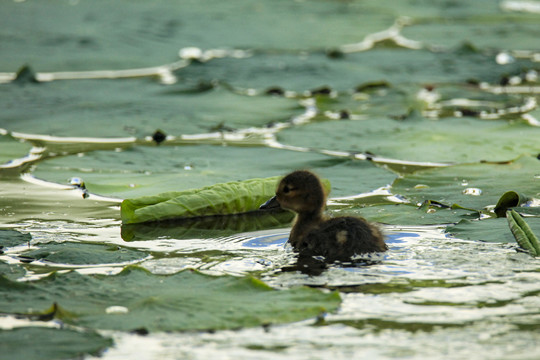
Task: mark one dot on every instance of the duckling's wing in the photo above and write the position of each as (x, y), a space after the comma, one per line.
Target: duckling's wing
(343, 237)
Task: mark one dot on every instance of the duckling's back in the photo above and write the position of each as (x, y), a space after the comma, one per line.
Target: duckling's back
(341, 238)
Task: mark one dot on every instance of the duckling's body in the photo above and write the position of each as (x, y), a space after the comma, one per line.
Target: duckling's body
(314, 234)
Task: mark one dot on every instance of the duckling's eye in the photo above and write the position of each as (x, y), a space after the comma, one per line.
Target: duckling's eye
(286, 189)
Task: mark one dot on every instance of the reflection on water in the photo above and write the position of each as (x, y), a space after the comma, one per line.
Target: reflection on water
(267, 240)
(427, 288)
(429, 295)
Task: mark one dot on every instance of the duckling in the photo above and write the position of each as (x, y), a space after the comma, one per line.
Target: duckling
(313, 233)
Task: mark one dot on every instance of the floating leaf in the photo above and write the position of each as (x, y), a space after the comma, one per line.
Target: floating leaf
(407, 214)
(220, 199)
(508, 200)
(10, 238)
(234, 197)
(11, 149)
(186, 300)
(450, 140)
(54, 344)
(83, 254)
(488, 230)
(149, 170)
(471, 186)
(523, 233)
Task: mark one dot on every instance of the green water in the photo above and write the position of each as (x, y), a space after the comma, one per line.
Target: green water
(421, 114)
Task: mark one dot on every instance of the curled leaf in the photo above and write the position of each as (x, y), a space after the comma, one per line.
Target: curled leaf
(508, 200)
(219, 199)
(234, 197)
(523, 233)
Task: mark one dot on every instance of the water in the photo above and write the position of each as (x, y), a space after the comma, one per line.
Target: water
(406, 109)
(429, 296)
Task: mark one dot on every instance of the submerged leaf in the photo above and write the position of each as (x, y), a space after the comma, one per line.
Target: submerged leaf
(183, 301)
(206, 227)
(46, 343)
(523, 233)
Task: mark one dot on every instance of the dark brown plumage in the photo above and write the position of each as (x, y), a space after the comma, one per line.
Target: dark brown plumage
(314, 234)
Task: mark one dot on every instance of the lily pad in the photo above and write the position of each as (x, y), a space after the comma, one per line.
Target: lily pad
(489, 230)
(485, 26)
(238, 197)
(83, 254)
(133, 107)
(10, 238)
(162, 29)
(183, 301)
(408, 214)
(471, 185)
(11, 149)
(301, 71)
(451, 140)
(48, 343)
(151, 170)
(219, 199)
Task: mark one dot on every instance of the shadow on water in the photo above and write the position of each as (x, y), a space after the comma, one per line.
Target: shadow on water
(206, 226)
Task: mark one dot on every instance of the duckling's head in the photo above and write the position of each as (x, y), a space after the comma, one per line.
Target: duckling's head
(301, 191)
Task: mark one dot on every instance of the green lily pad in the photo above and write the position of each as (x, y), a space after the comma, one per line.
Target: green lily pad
(120, 115)
(219, 199)
(164, 28)
(472, 186)
(9, 238)
(151, 170)
(237, 197)
(449, 140)
(489, 230)
(306, 71)
(485, 26)
(11, 271)
(11, 149)
(47, 343)
(408, 214)
(137, 299)
(83, 254)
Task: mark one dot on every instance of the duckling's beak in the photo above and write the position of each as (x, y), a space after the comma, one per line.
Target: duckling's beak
(270, 204)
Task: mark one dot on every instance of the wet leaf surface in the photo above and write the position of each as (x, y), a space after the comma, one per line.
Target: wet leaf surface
(471, 185)
(183, 301)
(48, 343)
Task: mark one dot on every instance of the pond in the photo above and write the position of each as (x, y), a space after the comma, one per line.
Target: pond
(423, 117)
